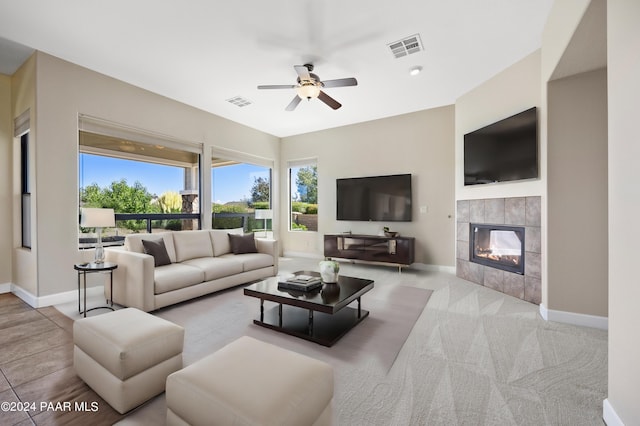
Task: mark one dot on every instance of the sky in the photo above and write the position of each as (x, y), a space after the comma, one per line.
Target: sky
(230, 183)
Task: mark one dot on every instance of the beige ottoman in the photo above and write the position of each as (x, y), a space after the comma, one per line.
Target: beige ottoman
(249, 382)
(125, 356)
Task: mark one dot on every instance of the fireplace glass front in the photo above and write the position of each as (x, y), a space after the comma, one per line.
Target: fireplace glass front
(497, 246)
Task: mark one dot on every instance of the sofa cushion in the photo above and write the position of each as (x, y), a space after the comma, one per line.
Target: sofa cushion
(251, 261)
(158, 250)
(220, 240)
(133, 242)
(175, 276)
(242, 243)
(216, 267)
(192, 244)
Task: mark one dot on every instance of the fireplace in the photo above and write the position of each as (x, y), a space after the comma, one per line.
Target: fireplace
(497, 246)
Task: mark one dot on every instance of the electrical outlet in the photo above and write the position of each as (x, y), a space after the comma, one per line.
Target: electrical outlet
(423, 209)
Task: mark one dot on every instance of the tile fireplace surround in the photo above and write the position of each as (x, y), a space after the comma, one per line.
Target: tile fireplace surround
(515, 211)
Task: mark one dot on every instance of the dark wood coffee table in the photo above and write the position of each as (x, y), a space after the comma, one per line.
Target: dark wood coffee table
(321, 315)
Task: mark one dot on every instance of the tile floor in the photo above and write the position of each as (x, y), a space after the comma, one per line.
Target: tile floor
(36, 367)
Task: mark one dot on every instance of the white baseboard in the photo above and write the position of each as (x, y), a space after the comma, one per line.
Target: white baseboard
(609, 415)
(584, 320)
(49, 300)
(5, 288)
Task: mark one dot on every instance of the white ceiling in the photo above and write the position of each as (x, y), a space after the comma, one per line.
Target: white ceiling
(203, 52)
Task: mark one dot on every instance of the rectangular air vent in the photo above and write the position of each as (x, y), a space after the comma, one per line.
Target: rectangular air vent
(239, 101)
(406, 46)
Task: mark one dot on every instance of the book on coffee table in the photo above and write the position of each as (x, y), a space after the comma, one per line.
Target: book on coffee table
(301, 282)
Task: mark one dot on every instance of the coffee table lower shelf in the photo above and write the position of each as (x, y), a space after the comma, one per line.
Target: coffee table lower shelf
(321, 328)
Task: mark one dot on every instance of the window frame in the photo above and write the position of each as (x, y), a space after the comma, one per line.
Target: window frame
(297, 164)
(192, 175)
(232, 157)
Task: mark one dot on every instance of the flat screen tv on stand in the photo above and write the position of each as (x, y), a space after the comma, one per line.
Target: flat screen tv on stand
(374, 198)
(503, 151)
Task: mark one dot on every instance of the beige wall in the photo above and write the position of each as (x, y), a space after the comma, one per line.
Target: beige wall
(64, 91)
(573, 27)
(577, 98)
(624, 208)
(23, 98)
(514, 90)
(564, 18)
(420, 143)
(6, 143)
(577, 253)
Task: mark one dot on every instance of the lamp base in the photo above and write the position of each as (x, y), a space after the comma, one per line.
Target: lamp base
(99, 255)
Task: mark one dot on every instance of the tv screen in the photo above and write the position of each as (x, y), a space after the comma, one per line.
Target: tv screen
(375, 198)
(503, 151)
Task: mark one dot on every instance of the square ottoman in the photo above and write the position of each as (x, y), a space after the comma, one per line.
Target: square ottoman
(125, 356)
(249, 382)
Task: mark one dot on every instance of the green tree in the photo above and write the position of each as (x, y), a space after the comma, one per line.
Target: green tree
(260, 189)
(122, 198)
(307, 183)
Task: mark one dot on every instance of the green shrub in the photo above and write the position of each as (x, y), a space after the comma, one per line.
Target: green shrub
(260, 205)
(227, 222)
(174, 225)
(298, 207)
(229, 208)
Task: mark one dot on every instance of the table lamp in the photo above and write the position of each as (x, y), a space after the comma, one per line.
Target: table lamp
(97, 218)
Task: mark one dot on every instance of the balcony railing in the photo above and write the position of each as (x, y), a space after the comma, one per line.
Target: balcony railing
(150, 217)
(160, 221)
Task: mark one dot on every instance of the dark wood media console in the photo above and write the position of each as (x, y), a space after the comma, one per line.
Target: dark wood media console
(371, 248)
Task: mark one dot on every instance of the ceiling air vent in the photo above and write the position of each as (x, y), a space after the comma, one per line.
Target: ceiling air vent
(406, 46)
(239, 101)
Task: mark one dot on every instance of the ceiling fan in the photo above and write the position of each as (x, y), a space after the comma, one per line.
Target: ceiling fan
(310, 86)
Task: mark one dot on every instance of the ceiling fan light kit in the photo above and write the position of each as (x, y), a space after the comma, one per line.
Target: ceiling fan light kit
(308, 91)
(310, 86)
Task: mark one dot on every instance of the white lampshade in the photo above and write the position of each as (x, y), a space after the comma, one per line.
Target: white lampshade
(264, 214)
(97, 218)
(307, 91)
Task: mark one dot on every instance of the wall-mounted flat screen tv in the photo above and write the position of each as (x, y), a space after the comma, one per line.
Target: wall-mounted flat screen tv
(374, 198)
(503, 151)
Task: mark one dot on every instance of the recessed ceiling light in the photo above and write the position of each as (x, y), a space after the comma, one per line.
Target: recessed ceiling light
(415, 70)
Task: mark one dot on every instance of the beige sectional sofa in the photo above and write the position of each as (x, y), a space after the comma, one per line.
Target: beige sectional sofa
(200, 262)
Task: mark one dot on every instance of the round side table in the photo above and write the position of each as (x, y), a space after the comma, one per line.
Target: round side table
(89, 268)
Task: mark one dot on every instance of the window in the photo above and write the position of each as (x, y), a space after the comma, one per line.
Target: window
(25, 194)
(152, 185)
(303, 190)
(21, 126)
(240, 192)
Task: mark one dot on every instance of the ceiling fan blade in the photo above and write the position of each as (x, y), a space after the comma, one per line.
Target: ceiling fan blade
(329, 100)
(293, 104)
(277, 86)
(303, 72)
(341, 82)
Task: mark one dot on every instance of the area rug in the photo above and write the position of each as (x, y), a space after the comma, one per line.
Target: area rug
(372, 346)
(212, 322)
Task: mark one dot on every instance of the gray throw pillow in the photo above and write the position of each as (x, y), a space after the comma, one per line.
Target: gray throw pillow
(242, 243)
(158, 250)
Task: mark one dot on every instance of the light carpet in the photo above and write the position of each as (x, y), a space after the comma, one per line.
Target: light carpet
(473, 357)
